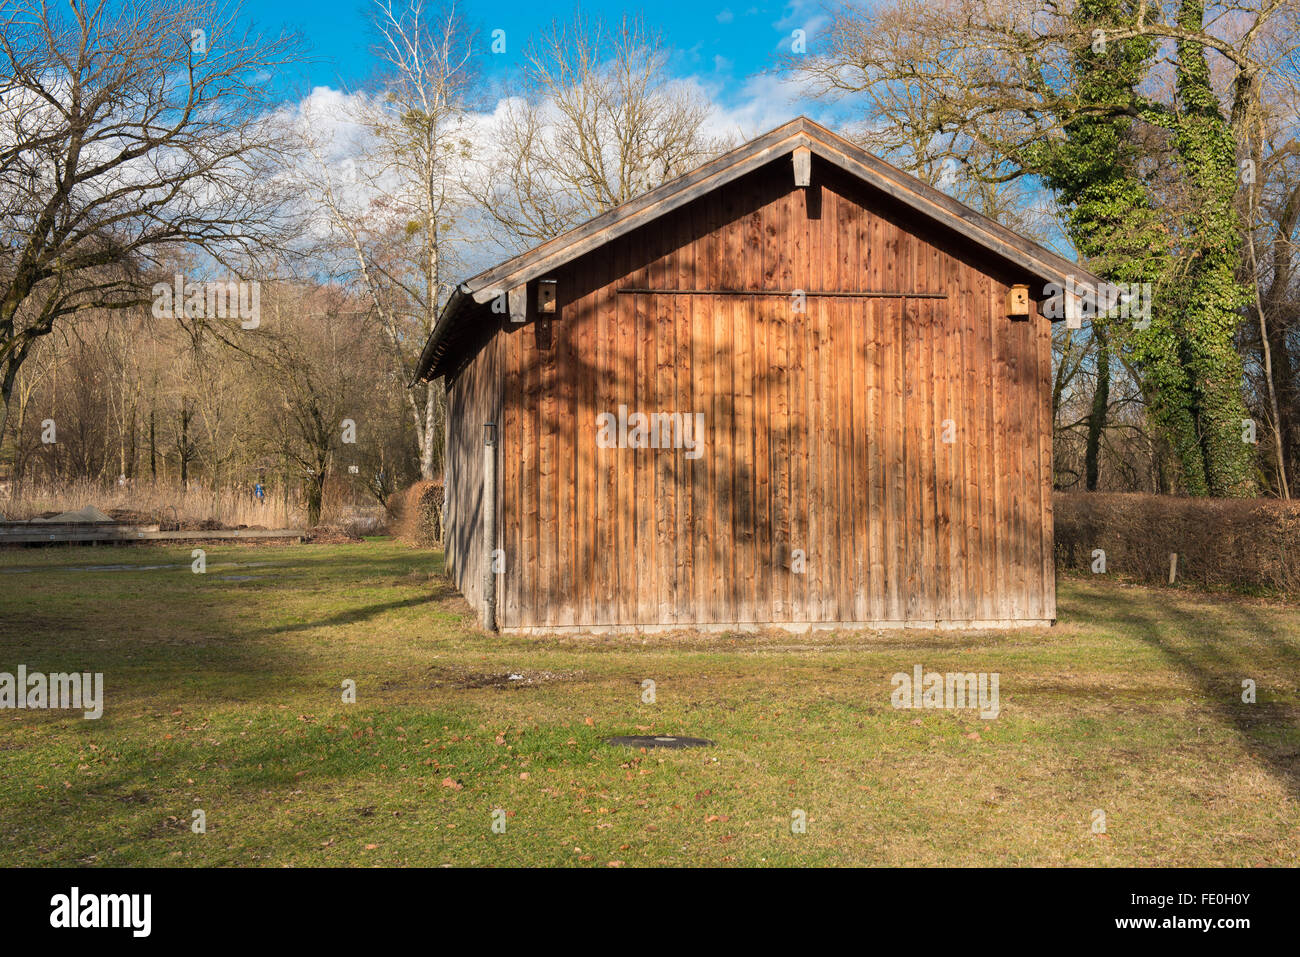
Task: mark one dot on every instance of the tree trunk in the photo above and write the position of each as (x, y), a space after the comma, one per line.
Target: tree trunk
(315, 491)
(4, 417)
(130, 462)
(8, 379)
(430, 436)
(1288, 400)
(1209, 291)
(185, 446)
(1100, 405)
(1266, 348)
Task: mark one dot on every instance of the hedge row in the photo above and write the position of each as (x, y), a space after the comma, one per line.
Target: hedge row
(1248, 544)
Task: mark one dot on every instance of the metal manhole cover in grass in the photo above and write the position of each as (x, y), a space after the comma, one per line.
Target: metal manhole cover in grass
(658, 741)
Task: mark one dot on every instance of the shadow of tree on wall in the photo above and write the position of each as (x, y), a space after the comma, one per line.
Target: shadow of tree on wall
(832, 422)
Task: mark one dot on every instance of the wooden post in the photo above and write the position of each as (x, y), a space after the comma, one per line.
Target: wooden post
(489, 525)
(1173, 566)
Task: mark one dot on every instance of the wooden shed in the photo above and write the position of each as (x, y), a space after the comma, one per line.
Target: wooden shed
(790, 388)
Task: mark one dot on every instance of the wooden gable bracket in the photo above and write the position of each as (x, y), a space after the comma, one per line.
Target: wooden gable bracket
(802, 157)
(1073, 310)
(518, 298)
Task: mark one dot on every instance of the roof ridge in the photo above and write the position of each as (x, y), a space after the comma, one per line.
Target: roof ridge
(606, 226)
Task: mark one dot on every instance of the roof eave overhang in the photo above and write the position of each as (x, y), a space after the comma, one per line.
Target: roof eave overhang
(432, 351)
(1036, 260)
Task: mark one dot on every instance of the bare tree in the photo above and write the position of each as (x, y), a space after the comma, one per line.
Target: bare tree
(396, 233)
(597, 123)
(127, 128)
(314, 370)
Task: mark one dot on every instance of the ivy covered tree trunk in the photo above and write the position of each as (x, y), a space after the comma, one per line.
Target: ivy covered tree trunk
(1158, 351)
(1112, 221)
(1191, 372)
(1208, 292)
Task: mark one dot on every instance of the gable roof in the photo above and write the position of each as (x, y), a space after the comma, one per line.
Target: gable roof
(609, 225)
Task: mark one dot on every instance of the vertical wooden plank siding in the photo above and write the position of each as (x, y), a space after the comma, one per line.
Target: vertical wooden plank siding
(901, 446)
(473, 399)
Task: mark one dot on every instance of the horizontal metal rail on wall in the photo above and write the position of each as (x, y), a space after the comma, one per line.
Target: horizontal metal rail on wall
(784, 293)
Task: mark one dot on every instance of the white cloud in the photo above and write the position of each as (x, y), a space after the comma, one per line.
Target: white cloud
(764, 102)
(346, 150)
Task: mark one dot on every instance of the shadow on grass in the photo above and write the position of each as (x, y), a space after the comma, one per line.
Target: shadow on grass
(439, 591)
(173, 635)
(164, 644)
(1195, 642)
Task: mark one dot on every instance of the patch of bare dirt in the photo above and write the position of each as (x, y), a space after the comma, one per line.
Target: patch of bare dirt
(464, 678)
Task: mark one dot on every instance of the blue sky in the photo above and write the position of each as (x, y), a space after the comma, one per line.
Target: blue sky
(731, 48)
(726, 46)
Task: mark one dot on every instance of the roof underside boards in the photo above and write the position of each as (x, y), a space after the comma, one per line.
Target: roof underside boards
(1036, 260)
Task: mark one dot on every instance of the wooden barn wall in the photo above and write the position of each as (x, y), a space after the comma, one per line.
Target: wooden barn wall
(825, 431)
(473, 398)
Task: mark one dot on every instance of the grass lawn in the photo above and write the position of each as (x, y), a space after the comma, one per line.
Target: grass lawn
(223, 693)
